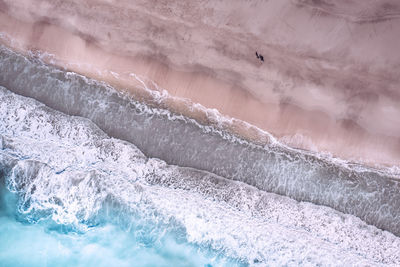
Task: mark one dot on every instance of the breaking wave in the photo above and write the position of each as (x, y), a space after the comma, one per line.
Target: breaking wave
(370, 194)
(100, 193)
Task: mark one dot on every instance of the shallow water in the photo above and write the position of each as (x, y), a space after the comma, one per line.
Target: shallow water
(109, 242)
(372, 195)
(74, 195)
(122, 183)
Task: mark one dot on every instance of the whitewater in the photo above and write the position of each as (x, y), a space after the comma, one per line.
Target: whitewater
(120, 181)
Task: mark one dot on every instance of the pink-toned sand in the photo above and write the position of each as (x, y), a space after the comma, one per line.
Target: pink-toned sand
(330, 80)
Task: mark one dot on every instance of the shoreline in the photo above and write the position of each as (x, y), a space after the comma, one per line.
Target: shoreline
(166, 188)
(292, 122)
(212, 122)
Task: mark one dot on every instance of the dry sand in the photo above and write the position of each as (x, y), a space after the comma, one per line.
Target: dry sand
(330, 80)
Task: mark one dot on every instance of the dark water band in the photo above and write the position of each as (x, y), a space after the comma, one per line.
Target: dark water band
(366, 193)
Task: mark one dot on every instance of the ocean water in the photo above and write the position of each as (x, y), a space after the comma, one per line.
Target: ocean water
(115, 237)
(370, 194)
(89, 211)
(105, 180)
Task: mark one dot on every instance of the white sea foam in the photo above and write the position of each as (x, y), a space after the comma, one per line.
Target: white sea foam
(220, 124)
(370, 194)
(67, 167)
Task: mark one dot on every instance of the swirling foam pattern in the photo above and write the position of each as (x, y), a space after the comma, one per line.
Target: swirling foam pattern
(370, 194)
(101, 197)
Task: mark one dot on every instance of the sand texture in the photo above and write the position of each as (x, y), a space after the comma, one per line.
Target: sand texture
(330, 79)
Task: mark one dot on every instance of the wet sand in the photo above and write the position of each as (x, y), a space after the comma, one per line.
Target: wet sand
(329, 81)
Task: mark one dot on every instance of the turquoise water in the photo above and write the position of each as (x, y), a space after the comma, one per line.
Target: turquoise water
(110, 242)
(73, 196)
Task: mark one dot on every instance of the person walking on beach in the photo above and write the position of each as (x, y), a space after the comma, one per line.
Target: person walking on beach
(259, 56)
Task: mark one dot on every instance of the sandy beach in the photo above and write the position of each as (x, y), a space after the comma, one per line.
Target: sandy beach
(330, 79)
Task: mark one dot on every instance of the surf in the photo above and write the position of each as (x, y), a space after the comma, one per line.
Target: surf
(67, 182)
(370, 194)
